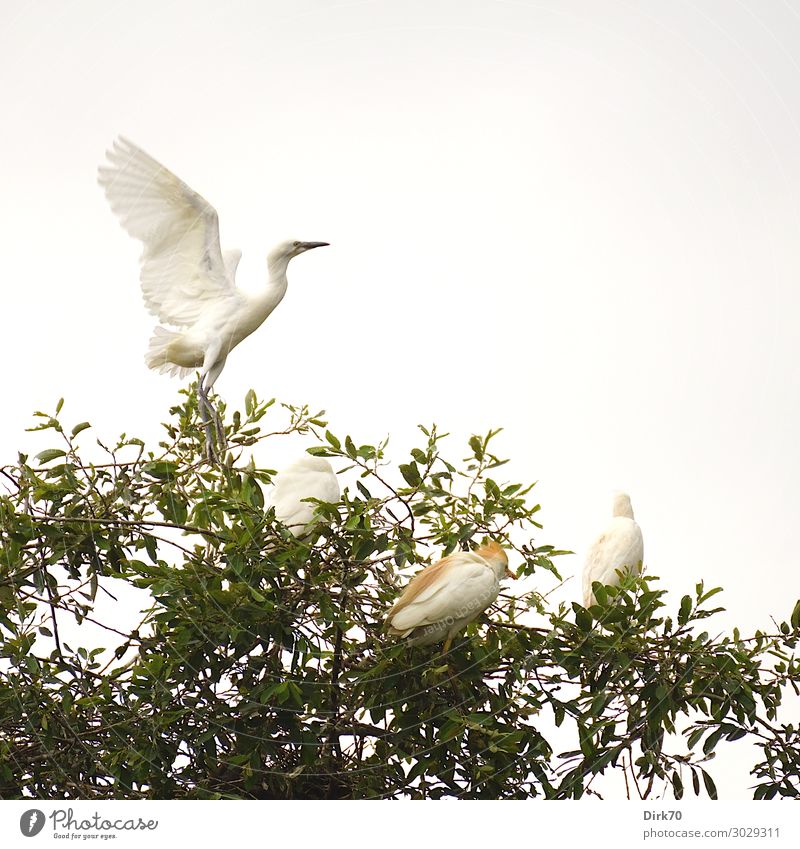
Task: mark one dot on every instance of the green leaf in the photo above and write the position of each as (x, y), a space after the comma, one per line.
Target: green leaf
(706, 596)
(476, 444)
(79, 427)
(319, 451)
(50, 454)
(685, 610)
(410, 473)
(162, 470)
(795, 619)
(694, 737)
(600, 594)
(711, 741)
(711, 788)
(583, 619)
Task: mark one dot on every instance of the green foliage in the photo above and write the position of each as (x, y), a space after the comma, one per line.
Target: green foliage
(259, 668)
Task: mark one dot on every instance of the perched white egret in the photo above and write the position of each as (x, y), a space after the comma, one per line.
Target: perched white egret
(308, 477)
(187, 281)
(446, 596)
(619, 547)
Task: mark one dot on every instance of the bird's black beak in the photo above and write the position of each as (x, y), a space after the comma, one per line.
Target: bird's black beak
(307, 246)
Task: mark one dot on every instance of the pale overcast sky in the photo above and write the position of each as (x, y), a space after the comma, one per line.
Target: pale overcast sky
(575, 220)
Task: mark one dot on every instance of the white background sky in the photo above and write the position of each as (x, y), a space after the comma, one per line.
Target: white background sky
(575, 220)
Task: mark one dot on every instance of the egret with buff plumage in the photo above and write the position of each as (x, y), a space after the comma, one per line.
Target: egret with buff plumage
(446, 596)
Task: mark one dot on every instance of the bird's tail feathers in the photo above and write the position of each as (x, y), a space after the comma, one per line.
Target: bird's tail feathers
(157, 353)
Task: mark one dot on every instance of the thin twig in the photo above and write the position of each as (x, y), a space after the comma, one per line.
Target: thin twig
(141, 523)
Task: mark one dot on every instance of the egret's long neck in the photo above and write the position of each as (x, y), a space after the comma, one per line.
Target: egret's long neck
(273, 292)
(276, 266)
(262, 303)
(622, 507)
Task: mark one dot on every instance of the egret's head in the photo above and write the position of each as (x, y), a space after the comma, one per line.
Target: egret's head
(622, 505)
(494, 555)
(310, 463)
(291, 248)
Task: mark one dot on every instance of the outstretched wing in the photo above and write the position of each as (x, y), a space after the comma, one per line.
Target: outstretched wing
(182, 268)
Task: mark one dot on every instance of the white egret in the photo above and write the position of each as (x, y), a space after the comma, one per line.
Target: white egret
(446, 596)
(187, 281)
(308, 477)
(619, 547)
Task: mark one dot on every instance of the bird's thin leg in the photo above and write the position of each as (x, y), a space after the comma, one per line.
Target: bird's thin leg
(452, 673)
(204, 406)
(210, 377)
(222, 442)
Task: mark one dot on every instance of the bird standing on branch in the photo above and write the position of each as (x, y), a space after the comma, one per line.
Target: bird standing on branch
(446, 596)
(308, 477)
(187, 281)
(620, 548)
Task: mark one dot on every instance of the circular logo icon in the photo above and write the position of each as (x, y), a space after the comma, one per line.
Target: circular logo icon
(31, 822)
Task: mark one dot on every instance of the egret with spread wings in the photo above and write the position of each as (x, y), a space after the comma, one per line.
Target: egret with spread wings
(187, 281)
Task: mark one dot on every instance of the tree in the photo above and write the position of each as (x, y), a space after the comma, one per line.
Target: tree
(260, 670)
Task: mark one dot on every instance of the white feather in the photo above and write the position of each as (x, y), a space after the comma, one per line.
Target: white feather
(182, 268)
(619, 547)
(308, 477)
(231, 260)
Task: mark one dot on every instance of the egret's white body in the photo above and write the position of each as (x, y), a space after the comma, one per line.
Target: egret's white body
(619, 547)
(446, 596)
(308, 477)
(187, 281)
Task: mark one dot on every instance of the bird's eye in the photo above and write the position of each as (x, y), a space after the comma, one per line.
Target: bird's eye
(297, 244)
